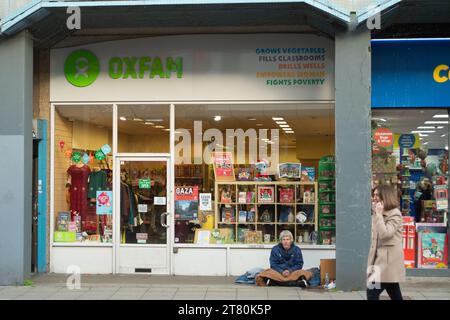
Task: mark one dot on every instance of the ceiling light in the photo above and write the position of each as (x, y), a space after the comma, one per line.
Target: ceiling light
(446, 147)
(123, 118)
(166, 130)
(277, 119)
(436, 122)
(287, 129)
(281, 122)
(289, 132)
(149, 123)
(284, 126)
(423, 131)
(425, 143)
(420, 138)
(154, 120)
(443, 135)
(159, 127)
(384, 120)
(217, 118)
(265, 139)
(251, 119)
(441, 116)
(137, 119)
(429, 127)
(423, 135)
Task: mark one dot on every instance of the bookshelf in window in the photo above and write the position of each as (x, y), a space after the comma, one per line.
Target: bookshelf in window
(269, 207)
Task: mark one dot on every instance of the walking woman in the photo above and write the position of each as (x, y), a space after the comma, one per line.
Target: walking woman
(386, 267)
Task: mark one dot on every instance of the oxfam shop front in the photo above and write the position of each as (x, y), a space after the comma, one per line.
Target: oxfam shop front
(188, 155)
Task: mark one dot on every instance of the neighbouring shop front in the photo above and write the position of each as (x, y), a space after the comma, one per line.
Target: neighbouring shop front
(410, 139)
(188, 155)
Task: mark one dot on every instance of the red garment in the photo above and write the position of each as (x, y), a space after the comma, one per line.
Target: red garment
(79, 190)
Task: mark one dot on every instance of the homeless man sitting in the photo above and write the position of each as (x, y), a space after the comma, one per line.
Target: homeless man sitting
(287, 260)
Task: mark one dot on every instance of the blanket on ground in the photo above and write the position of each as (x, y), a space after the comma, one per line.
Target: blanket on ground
(274, 275)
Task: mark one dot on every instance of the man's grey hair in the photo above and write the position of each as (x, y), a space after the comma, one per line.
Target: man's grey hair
(286, 233)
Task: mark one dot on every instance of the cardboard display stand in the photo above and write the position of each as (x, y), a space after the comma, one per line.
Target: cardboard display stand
(223, 166)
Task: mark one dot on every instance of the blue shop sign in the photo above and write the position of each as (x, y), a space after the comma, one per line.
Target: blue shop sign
(411, 73)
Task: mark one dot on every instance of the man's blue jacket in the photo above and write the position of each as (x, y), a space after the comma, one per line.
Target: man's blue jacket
(281, 260)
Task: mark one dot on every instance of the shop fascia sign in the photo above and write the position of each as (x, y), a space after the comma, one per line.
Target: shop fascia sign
(441, 73)
(82, 67)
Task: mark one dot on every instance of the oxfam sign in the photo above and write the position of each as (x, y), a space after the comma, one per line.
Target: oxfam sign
(82, 68)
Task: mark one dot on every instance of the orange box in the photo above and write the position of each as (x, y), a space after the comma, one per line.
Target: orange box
(409, 240)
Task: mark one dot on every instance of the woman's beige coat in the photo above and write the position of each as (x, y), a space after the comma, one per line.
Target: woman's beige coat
(386, 249)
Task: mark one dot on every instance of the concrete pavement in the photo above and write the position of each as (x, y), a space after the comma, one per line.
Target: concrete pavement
(145, 287)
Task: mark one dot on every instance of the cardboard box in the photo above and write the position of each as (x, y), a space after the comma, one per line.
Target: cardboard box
(409, 240)
(327, 266)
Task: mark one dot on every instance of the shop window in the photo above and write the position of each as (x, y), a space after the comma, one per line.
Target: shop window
(83, 171)
(244, 173)
(410, 152)
(143, 128)
(143, 200)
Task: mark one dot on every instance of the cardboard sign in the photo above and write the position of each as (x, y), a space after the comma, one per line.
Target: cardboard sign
(159, 201)
(205, 202)
(142, 208)
(141, 237)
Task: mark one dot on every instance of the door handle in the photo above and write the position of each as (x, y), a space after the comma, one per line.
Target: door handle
(165, 225)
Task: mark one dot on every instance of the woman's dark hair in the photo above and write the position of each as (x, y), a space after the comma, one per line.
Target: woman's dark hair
(388, 195)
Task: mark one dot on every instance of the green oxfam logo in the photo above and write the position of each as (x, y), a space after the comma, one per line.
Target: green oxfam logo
(81, 68)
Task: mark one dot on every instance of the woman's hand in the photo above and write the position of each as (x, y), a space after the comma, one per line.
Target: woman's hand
(379, 208)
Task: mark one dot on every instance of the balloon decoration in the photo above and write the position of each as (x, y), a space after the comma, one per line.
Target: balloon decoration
(106, 149)
(76, 156)
(68, 153)
(86, 158)
(99, 155)
(61, 145)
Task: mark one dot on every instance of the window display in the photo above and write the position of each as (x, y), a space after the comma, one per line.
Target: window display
(83, 174)
(250, 159)
(143, 190)
(410, 152)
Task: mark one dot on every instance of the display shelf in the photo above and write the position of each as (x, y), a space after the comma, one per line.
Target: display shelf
(275, 208)
(326, 168)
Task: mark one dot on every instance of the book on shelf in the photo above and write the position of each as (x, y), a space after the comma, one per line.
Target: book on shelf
(246, 197)
(286, 195)
(286, 214)
(251, 216)
(225, 196)
(308, 174)
(253, 236)
(242, 197)
(242, 216)
(244, 174)
(228, 214)
(266, 194)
